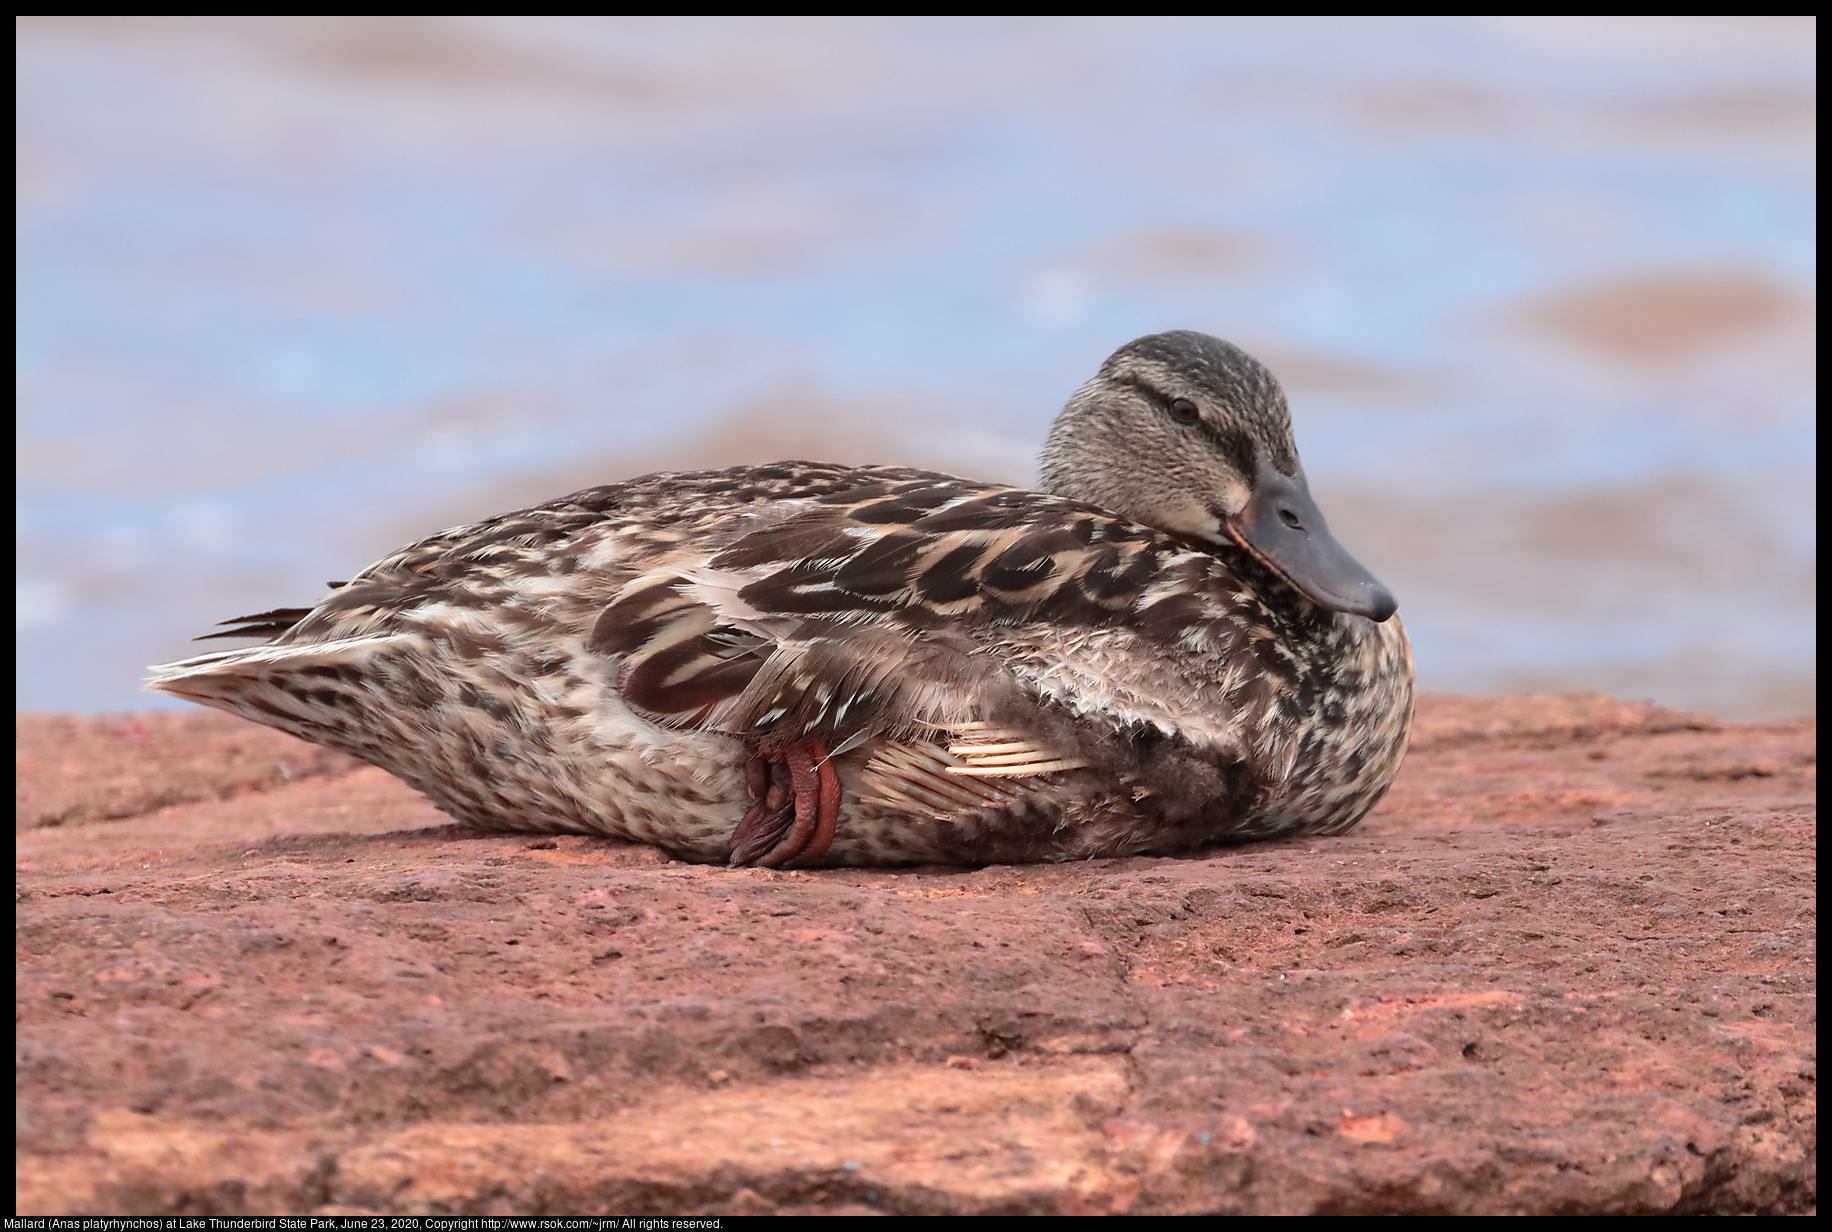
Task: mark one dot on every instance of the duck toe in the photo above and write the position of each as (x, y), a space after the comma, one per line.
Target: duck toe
(795, 806)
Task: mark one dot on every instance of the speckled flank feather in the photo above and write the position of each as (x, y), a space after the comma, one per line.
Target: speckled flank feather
(1000, 674)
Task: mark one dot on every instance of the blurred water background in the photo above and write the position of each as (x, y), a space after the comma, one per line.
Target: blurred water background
(297, 290)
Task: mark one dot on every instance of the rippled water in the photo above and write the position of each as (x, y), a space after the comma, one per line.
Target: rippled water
(297, 290)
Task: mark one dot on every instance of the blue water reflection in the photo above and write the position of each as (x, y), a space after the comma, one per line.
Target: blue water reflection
(296, 290)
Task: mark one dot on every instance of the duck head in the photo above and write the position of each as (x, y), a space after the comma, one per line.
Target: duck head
(1192, 435)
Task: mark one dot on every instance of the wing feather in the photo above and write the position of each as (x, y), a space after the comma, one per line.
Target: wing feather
(854, 614)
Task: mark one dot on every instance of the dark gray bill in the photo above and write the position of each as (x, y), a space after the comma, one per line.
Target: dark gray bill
(1283, 527)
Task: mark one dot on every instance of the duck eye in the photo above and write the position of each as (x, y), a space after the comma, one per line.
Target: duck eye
(1184, 411)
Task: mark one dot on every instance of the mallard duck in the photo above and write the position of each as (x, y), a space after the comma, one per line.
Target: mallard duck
(808, 664)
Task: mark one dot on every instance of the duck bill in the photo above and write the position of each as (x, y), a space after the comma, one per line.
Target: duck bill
(1283, 528)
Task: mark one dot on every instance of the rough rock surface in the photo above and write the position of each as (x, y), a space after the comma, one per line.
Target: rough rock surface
(1565, 969)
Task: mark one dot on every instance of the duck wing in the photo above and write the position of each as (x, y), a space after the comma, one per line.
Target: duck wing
(878, 610)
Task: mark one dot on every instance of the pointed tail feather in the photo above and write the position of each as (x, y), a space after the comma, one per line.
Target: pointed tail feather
(260, 624)
(269, 684)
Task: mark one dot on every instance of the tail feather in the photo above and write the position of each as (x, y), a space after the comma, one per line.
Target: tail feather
(265, 624)
(260, 624)
(248, 681)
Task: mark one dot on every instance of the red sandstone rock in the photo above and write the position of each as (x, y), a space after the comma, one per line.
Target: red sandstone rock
(80, 767)
(1567, 967)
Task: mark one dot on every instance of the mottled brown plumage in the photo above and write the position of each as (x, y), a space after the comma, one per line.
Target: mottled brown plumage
(876, 665)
